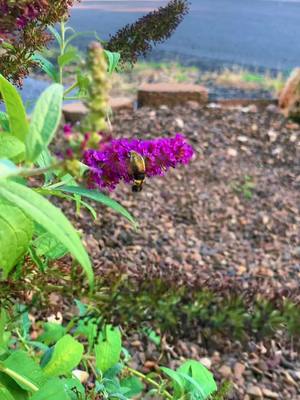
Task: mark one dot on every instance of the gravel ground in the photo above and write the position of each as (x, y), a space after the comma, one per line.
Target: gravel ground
(233, 214)
(200, 220)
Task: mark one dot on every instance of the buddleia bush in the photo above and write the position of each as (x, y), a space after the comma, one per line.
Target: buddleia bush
(23, 32)
(137, 39)
(23, 25)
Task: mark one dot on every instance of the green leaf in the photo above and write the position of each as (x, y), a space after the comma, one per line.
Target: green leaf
(16, 231)
(52, 333)
(48, 246)
(56, 34)
(11, 148)
(3, 320)
(25, 322)
(38, 261)
(134, 386)
(108, 349)
(4, 394)
(49, 217)
(74, 388)
(44, 160)
(7, 168)
(100, 198)
(54, 389)
(46, 66)
(75, 36)
(66, 356)
(44, 121)
(178, 382)
(153, 336)
(23, 370)
(82, 308)
(68, 57)
(15, 109)
(83, 82)
(203, 377)
(13, 388)
(113, 60)
(87, 329)
(4, 121)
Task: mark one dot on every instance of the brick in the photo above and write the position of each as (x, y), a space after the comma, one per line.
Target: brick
(171, 94)
(74, 112)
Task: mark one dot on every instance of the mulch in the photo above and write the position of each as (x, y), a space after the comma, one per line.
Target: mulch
(196, 222)
(202, 225)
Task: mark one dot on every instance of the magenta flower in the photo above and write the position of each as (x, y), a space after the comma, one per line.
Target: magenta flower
(110, 165)
(68, 130)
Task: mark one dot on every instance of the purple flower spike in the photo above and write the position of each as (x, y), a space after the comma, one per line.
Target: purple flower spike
(110, 165)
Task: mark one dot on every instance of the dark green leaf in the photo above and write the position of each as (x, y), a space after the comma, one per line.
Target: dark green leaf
(108, 349)
(48, 246)
(13, 388)
(56, 34)
(201, 375)
(46, 66)
(4, 121)
(5, 394)
(66, 356)
(3, 320)
(74, 388)
(52, 333)
(49, 217)
(16, 230)
(54, 389)
(100, 198)
(178, 382)
(134, 386)
(22, 369)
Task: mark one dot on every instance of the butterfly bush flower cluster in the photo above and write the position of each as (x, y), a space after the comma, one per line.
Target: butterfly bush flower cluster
(23, 25)
(138, 39)
(110, 165)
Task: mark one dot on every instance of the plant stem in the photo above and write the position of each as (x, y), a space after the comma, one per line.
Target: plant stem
(72, 87)
(19, 378)
(75, 98)
(22, 340)
(39, 171)
(62, 50)
(150, 381)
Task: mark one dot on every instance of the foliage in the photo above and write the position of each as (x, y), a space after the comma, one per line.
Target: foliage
(33, 231)
(249, 80)
(23, 31)
(84, 360)
(183, 312)
(155, 307)
(246, 188)
(21, 206)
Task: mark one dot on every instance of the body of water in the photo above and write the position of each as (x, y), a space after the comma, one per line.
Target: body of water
(258, 34)
(255, 33)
